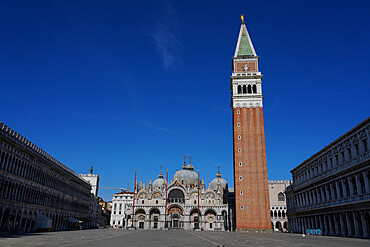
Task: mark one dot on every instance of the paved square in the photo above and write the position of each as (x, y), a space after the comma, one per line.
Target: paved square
(172, 238)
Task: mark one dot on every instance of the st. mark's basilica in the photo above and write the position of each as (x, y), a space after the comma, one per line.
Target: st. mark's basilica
(190, 203)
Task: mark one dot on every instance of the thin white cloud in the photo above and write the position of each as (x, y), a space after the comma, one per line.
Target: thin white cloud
(165, 39)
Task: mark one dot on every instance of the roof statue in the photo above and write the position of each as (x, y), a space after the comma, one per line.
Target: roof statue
(242, 18)
(91, 169)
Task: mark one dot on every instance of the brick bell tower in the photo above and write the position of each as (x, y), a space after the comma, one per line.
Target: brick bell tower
(252, 205)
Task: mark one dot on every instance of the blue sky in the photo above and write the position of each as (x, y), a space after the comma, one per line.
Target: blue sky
(135, 84)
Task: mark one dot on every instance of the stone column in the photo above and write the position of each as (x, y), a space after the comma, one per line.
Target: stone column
(322, 194)
(331, 227)
(312, 222)
(358, 184)
(321, 226)
(355, 222)
(308, 223)
(332, 191)
(148, 222)
(327, 193)
(364, 225)
(295, 227)
(306, 199)
(344, 188)
(366, 180)
(351, 192)
(349, 225)
(343, 233)
(337, 188)
(325, 224)
(336, 223)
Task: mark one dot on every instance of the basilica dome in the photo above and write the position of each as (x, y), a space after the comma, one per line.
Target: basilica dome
(159, 182)
(218, 181)
(186, 176)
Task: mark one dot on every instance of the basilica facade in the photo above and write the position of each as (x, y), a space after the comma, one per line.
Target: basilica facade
(185, 202)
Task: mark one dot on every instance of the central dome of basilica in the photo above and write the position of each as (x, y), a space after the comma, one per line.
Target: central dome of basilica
(186, 176)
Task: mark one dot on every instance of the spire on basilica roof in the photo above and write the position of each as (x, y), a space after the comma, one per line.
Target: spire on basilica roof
(218, 175)
(184, 166)
(190, 166)
(244, 46)
(160, 174)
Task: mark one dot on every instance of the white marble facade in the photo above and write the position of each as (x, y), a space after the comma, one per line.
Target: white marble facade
(182, 204)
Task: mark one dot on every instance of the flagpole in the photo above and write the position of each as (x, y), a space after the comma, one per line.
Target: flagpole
(198, 202)
(133, 203)
(165, 210)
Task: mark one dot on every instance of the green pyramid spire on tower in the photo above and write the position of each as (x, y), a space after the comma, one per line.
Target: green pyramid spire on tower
(244, 46)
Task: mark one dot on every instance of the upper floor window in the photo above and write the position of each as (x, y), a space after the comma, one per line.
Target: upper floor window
(365, 144)
(281, 197)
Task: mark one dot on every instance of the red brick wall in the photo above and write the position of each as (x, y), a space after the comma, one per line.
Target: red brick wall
(255, 198)
(252, 66)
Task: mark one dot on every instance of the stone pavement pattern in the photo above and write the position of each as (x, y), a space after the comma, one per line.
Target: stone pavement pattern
(173, 238)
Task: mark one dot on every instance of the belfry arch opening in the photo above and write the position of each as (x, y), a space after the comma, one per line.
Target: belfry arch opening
(249, 89)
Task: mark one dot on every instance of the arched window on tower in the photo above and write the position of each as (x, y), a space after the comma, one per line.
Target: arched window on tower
(254, 88)
(239, 89)
(281, 197)
(244, 89)
(249, 89)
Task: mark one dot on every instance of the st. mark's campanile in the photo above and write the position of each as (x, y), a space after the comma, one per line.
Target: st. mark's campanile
(252, 206)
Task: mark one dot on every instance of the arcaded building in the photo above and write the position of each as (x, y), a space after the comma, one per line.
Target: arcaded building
(330, 190)
(279, 219)
(36, 190)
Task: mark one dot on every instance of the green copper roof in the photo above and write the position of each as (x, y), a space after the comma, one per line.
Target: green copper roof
(244, 46)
